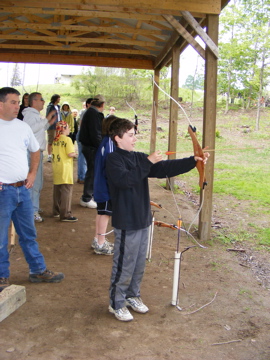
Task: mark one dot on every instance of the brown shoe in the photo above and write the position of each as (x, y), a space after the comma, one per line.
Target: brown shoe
(80, 181)
(47, 276)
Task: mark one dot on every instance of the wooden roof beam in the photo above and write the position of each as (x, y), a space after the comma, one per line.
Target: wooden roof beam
(70, 48)
(19, 11)
(185, 34)
(199, 30)
(83, 28)
(49, 58)
(206, 6)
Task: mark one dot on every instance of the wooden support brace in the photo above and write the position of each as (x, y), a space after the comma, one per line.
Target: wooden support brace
(205, 37)
(185, 34)
(11, 298)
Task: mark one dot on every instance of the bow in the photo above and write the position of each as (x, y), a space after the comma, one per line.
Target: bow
(163, 224)
(152, 203)
(198, 152)
(196, 146)
(136, 122)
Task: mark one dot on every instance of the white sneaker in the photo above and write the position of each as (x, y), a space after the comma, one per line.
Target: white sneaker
(89, 204)
(122, 314)
(137, 305)
(95, 243)
(37, 217)
(49, 158)
(105, 249)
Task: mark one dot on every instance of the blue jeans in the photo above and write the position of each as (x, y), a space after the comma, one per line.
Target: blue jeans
(16, 205)
(81, 163)
(38, 184)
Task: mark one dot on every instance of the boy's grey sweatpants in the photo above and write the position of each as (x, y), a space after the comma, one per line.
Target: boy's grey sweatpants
(130, 248)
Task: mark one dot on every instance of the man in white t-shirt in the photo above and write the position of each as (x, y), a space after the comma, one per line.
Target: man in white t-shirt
(16, 177)
(38, 124)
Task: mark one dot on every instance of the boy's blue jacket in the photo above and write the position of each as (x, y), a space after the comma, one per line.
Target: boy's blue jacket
(101, 190)
(127, 175)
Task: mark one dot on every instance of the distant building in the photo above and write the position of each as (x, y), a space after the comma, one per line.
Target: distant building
(63, 78)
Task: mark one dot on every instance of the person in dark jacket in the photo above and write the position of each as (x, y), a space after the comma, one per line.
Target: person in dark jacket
(100, 244)
(53, 105)
(127, 175)
(81, 163)
(90, 136)
(23, 105)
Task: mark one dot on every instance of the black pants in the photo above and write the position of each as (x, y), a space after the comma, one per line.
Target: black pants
(89, 153)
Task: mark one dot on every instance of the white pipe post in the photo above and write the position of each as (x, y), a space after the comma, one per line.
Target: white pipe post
(177, 262)
(150, 240)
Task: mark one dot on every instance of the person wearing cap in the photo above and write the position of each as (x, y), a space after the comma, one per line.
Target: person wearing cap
(16, 178)
(63, 153)
(91, 137)
(38, 124)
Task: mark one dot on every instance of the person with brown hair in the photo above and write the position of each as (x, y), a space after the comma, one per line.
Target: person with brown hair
(90, 137)
(127, 174)
(24, 104)
(100, 244)
(53, 105)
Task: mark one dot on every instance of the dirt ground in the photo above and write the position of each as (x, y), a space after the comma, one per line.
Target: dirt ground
(70, 320)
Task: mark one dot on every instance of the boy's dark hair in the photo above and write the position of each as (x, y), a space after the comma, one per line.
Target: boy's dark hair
(4, 91)
(54, 98)
(88, 101)
(119, 128)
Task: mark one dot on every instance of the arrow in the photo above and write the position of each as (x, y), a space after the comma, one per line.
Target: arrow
(207, 150)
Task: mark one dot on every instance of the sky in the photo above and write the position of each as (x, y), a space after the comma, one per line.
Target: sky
(33, 74)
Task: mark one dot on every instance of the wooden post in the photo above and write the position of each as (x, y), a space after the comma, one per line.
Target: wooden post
(173, 106)
(154, 113)
(209, 127)
(12, 235)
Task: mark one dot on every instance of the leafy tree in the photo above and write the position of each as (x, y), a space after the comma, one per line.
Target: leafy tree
(244, 50)
(194, 83)
(16, 76)
(86, 82)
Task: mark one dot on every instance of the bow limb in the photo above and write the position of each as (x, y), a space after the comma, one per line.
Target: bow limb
(136, 122)
(163, 224)
(198, 152)
(155, 204)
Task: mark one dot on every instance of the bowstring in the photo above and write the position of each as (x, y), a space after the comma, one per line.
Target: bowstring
(131, 108)
(173, 99)
(188, 119)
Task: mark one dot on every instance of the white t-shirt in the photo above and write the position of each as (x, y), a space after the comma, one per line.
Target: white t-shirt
(16, 137)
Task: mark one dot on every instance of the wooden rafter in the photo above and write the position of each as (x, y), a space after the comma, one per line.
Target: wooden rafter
(185, 34)
(199, 30)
